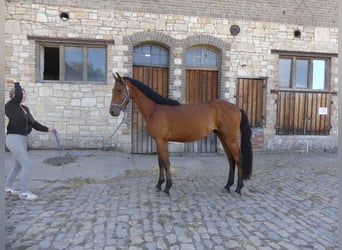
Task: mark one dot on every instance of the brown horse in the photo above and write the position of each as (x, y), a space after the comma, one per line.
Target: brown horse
(168, 120)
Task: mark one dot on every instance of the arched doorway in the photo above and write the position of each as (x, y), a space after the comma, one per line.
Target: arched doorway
(150, 65)
(201, 85)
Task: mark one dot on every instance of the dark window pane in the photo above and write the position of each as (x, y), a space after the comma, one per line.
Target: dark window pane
(51, 63)
(155, 50)
(189, 57)
(302, 73)
(146, 48)
(164, 60)
(96, 64)
(197, 61)
(73, 63)
(198, 52)
(140, 59)
(318, 71)
(284, 73)
(209, 57)
(155, 60)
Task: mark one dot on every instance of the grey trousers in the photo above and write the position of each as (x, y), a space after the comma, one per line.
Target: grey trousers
(17, 144)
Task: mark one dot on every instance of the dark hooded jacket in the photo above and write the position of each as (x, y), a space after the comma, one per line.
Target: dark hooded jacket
(20, 118)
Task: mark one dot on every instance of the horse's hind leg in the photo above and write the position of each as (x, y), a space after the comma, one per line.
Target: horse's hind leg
(233, 155)
(231, 161)
(231, 176)
(161, 179)
(238, 161)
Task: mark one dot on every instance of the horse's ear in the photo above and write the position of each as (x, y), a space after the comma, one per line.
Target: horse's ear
(118, 76)
(115, 77)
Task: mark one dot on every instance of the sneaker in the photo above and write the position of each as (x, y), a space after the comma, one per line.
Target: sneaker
(11, 191)
(28, 196)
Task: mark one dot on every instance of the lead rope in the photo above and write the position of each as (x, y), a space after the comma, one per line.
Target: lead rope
(61, 149)
(58, 142)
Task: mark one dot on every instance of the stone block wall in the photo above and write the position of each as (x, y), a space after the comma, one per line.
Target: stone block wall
(80, 111)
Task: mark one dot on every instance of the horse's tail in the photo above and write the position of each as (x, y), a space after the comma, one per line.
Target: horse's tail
(246, 146)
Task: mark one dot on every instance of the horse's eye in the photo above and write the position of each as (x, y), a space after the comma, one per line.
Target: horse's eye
(119, 91)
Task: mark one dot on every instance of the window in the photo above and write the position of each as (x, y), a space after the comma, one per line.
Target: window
(73, 63)
(303, 72)
(201, 56)
(152, 55)
(318, 76)
(285, 72)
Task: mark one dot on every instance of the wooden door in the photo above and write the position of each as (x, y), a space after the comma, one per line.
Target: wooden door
(303, 113)
(201, 86)
(250, 98)
(157, 79)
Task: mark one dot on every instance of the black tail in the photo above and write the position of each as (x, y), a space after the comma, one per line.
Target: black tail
(246, 146)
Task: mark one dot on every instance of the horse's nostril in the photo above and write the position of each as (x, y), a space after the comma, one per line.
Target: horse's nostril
(112, 112)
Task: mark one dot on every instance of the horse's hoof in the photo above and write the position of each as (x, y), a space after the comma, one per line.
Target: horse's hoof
(225, 190)
(158, 187)
(238, 192)
(167, 192)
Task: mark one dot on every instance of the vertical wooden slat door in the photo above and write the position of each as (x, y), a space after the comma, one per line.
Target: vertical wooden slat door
(318, 122)
(250, 98)
(303, 113)
(201, 86)
(157, 79)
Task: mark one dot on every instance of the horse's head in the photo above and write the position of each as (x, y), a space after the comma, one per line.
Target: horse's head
(120, 96)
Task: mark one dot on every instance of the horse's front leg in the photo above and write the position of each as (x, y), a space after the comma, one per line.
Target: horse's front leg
(164, 165)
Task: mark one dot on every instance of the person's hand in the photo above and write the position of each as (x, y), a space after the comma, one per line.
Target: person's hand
(11, 81)
(52, 130)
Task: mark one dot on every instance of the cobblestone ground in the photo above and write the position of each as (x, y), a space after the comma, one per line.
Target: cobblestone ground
(289, 203)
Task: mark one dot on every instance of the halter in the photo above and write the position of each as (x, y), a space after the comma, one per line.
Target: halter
(124, 100)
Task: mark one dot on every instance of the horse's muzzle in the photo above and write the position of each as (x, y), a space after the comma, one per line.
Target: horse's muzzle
(114, 110)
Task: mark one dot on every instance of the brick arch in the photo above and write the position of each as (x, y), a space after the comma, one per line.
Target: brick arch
(143, 37)
(151, 36)
(207, 40)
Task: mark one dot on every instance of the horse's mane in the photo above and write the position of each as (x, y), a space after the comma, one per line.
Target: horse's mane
(151, 93)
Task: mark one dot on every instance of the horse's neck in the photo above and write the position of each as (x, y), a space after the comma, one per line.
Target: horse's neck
(146, 105)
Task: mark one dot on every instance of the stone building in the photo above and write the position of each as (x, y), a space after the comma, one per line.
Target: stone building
(275, 59)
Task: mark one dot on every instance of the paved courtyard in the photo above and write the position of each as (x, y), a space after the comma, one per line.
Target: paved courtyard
(107, 200)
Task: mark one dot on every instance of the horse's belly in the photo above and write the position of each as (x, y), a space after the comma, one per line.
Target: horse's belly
(189, 134)
(184, 124)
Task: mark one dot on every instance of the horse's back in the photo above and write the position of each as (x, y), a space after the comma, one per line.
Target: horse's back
(223, 107)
